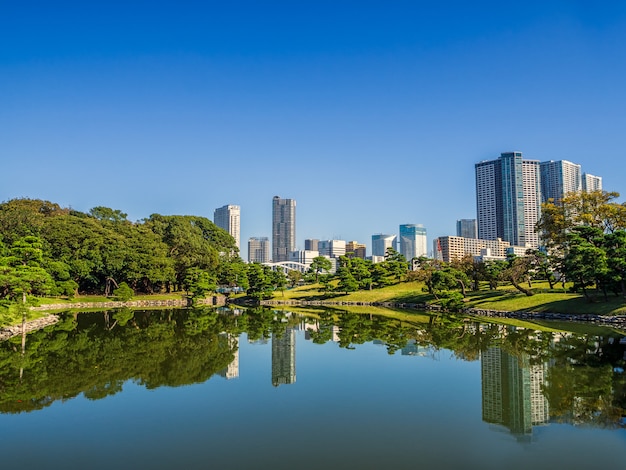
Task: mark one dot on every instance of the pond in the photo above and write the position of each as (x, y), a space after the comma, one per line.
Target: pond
(260, 388)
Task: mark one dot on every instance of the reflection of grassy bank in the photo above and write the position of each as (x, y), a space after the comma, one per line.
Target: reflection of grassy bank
(410, 316)
(503, 298)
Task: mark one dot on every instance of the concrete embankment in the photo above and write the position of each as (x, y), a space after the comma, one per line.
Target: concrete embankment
(604, 320)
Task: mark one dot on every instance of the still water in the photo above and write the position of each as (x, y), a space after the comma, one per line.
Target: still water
(272, 389)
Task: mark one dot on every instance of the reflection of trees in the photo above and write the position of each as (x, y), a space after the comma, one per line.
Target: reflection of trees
(95, 354)
(583, 385)
(84, 356)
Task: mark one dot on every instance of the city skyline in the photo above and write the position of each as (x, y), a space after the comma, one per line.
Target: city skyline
(368, 115)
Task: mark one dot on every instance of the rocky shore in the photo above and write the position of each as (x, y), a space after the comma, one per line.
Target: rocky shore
(33, 325)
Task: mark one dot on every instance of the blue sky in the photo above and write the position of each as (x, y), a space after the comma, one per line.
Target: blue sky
(369, 114)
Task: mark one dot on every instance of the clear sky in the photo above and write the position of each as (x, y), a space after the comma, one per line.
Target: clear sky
(369, 114)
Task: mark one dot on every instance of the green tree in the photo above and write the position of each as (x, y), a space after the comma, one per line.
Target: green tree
(585, 261)
(198, 283)
(396, 264)
(123, 292)
(294, 276)
(615, 247)
(278, 279)
(260, 281)
(347, 282)
(320, 264)
(517, 270)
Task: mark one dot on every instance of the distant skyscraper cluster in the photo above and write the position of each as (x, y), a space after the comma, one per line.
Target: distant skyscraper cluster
(510, 190)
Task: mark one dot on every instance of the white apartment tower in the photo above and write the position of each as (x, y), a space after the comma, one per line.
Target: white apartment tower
(591, 182)
(229, 218)
(508, 199)
(559, 178)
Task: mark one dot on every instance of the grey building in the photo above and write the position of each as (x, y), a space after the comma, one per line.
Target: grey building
(559, 178)
(283, 228)
(467, 228)
(258, 250)
(508, 199)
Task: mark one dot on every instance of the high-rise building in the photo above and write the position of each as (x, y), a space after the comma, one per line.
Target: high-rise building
(355, 249)
(413, 241)
(228, 218)
(467, 228)
(283, 228)
(258, 250)
(332, 248)
(559, 178)
(381, 242)
(591, 182)
(311, 244)
(508, 199)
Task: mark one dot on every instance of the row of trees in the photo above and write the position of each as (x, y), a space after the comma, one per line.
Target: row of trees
(47, 249)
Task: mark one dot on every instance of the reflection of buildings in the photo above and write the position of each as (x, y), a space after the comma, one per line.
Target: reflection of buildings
(284, 358)
(512, 394)
(414, 349)
(232, 370)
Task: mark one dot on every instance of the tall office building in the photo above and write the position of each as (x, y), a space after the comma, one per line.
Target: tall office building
(228, 218)
(467, 228)
(413, 241)
(559, 178)
(283, 228)
(508, 199)
(591, 182)
(258, 250)
(381, 242)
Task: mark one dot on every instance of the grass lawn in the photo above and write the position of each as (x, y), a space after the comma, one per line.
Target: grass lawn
(504, 298)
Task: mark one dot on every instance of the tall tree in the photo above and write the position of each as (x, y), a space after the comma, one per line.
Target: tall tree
(320, 264)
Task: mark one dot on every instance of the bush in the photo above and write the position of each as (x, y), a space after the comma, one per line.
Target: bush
(123, 292)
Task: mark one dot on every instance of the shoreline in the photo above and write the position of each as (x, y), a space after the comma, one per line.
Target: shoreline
(7, 332)
(11, 331)
(615, 321)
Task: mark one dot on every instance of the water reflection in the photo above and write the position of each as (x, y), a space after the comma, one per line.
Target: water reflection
(528, 378)
(512, 392)
(284, 357)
